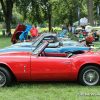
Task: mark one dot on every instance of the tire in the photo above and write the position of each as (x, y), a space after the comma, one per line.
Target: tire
(89, 76)
(5, 77)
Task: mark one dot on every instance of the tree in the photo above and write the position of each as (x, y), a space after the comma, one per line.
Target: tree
(40, 10)
(30, 9)
(97, 11)
(66, 11)
(7, 6)
(1, 15)
(90, 11)
(48, 11)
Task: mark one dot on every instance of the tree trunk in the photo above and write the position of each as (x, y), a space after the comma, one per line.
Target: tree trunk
(90, 11)
(38, 17)
(8, 26)
(7, 10)
(50, 17)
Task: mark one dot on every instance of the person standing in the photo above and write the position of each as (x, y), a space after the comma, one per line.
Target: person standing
(81, 37)
(88, 28)
(89, 39)
(34, 31)
(63, 32)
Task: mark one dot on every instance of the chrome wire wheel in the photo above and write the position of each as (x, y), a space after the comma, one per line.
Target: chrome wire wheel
(2, 79)
(91, 77)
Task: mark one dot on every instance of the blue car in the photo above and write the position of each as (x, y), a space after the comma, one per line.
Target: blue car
(55, 45)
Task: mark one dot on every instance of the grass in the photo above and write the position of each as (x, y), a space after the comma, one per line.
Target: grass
(4, 41)
(47, 90)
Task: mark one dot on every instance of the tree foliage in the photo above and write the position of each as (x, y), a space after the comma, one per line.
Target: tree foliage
(54, 12)
(7, 7)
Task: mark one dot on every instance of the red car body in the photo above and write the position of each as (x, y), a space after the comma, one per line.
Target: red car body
(27, 66)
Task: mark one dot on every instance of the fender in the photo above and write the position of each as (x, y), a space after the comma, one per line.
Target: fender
(2, 63)
(80, 63)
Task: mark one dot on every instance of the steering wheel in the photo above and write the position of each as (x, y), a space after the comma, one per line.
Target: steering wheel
(69, 54)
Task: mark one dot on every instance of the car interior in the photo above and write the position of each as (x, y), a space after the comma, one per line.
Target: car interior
(68, 54)
(40, 51)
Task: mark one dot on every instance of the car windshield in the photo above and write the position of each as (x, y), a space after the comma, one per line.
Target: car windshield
(40, 48)
(42, 37)
(35, 42)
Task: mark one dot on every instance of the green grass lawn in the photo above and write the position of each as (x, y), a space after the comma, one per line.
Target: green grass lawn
(4, 41)
(47, 90)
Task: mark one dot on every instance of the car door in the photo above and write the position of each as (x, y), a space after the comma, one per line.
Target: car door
(50, 68)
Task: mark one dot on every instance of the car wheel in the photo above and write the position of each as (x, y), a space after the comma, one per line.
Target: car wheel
(90, 76)
(5, 77)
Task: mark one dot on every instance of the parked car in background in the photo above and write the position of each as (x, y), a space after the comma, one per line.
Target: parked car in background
(55, 45)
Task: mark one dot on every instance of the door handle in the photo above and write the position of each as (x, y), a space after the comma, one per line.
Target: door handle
(67, 62)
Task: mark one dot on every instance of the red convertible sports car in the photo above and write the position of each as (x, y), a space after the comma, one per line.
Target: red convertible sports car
(41, 66)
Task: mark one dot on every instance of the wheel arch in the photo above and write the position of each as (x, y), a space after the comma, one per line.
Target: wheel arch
(85, 65)
(6, 67)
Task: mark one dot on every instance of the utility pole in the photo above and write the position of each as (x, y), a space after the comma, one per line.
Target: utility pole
(90, 11)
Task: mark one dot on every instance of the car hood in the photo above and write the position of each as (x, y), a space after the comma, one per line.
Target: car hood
(17, 49)
(22, 44)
